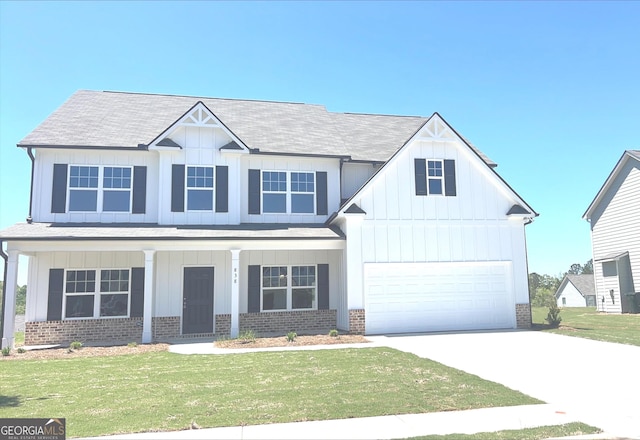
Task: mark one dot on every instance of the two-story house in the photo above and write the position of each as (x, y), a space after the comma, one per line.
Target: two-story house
(155, 217)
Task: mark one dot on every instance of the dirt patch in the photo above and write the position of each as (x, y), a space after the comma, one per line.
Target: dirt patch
(282, 341)
(66, 353)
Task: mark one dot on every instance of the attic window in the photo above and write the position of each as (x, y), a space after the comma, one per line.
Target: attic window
(200, 188)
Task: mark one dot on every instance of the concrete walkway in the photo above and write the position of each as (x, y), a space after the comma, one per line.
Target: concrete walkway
(532, 362)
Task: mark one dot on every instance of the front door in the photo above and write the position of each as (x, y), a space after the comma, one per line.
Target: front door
(197, 300)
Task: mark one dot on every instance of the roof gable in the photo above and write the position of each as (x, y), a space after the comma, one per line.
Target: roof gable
(584, 284)
(436, 128)
(629, 155)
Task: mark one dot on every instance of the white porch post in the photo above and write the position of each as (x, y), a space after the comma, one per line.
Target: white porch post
(235, 293)
(149, 259)
(11, 283)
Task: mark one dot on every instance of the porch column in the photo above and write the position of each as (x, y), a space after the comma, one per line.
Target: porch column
(11, 283)
(147, 331)
(235, 293)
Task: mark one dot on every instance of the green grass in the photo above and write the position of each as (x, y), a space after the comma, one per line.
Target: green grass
(19, 338)
(165, 391)
(586, 322)
(541, 432)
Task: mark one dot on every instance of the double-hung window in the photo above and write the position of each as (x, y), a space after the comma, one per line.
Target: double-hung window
(434, 176)
(200, 188)
(99, 189)
(288, 192)
(289, 288)
(86, 297)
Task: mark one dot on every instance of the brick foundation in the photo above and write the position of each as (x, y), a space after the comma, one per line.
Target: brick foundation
(302, 321)
(356, 321)
(523, 315)
(116, 330)
(223, 324)
(165, 327)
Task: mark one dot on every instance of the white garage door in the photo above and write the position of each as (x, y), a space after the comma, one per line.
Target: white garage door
(419, 297)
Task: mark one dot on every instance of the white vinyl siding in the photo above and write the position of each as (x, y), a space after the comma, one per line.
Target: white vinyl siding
(615, 229)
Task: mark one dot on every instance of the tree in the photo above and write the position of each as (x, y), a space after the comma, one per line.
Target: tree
(578, 269)
(588, 267)
(575, 269)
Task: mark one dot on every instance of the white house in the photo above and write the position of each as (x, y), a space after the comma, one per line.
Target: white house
(155, 217)
(614, 215)
(576, 291)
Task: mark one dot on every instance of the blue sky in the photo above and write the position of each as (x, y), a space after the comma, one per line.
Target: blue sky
(548, 90)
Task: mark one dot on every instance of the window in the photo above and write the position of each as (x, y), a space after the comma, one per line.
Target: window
(609, 269)
(110, 295)
(274, 191)
(83, 188)
(564, 301)
(99, 189)
(289, 288)
(200, 188)
(279, 197)
(434, 176)
(302, 193)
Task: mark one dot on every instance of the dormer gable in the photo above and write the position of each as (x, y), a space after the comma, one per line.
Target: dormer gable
(201, 117)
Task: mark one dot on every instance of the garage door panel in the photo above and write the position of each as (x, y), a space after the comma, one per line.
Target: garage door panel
(438, 297)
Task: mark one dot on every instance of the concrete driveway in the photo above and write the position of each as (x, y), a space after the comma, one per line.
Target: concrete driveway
(597, 382)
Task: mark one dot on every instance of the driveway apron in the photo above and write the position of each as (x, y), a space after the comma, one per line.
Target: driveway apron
(596, 382)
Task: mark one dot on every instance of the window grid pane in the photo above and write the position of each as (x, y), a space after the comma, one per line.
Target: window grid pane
(117, 177)
(435, 168)
(302, 182)
(274, 181)
(80, 281)
(199, 177)
(83, 177)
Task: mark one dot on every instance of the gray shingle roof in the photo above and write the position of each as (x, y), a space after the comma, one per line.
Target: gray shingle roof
(117, 119)
(584, 283)
(69, 231)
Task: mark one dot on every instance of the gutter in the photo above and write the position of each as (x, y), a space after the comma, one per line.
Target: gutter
(29, 218)
(5, 257)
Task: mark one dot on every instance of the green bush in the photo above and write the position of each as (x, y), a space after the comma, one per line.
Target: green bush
(333, 333)
(291, 336)
(553, 317)
(6, 351)
(21, 350)
(75, 345)
(132, 344)
(247, 336)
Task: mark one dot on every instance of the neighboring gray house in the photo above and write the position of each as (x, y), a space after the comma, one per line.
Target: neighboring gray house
(576, 291)
(614, 215)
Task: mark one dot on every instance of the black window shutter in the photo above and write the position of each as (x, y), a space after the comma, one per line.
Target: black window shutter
(254, 289)
(254, 191)
(222, 189)
(321, 193)
(449, 177)
(421, 176)
(59, 188)
(323, 286)
(56, 287)
(139, 190)
(137, 292)
(177, 188)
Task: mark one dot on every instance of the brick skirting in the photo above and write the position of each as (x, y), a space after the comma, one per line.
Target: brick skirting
(300, 321)
(125, 330)
(523, 315)
(115, 331)
(356, 321)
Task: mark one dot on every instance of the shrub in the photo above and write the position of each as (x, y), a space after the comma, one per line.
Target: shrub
(6, 351)
(291, 336)
(333, 333)
(75, 345)
(553, 317)
(132, 344)
(21, 350)
(247, 336)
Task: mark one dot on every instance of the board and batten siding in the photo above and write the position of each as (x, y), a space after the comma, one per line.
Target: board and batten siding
(354, 175)
(200, 147)
(41, 262)
(615, 228)
(43, 180)
(289, 163)
(400, 226)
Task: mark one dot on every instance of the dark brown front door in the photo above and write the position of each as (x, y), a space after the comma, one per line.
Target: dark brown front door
(197, 300)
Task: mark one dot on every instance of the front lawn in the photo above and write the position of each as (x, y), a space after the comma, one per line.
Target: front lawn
(586, 322)
(165, 391)
(570, 429)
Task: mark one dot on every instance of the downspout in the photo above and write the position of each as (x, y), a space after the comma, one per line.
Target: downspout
(5, 257)
(33, 160)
